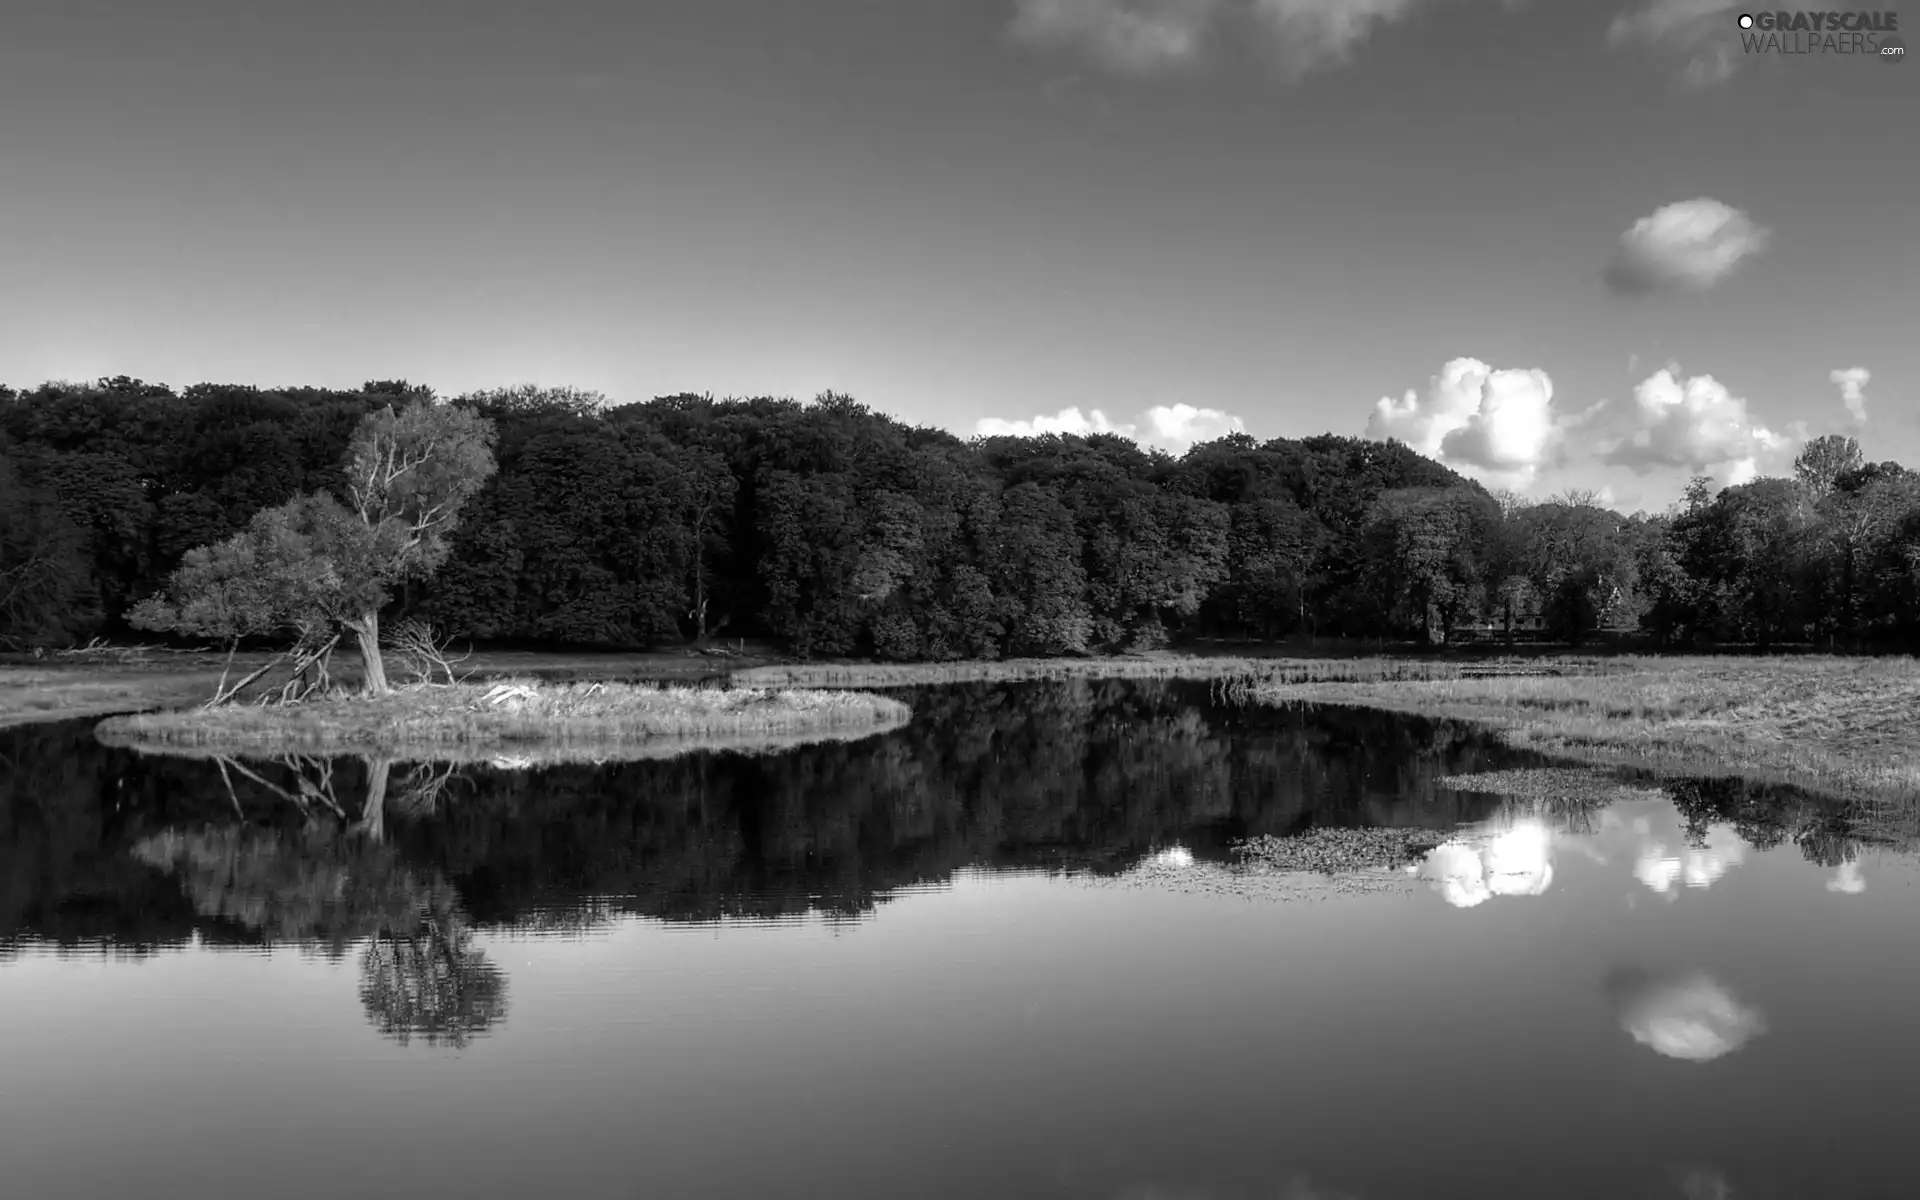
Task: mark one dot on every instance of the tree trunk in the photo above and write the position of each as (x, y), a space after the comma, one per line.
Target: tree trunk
(367, 632)
(1850, 608)
(373, 812)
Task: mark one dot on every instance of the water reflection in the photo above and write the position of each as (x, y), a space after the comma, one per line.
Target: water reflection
(1296, 1187)
(1705, 1184)
(1688, 1016)
(1514, 861)
(1668, 845)
(331, 884)
(1847, 880)
(1700, 866)
(683, 997)
(1085, 776)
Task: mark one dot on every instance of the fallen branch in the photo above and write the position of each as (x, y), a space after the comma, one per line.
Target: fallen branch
(225, 694)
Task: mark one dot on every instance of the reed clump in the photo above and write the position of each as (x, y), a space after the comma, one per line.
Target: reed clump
(545, 721)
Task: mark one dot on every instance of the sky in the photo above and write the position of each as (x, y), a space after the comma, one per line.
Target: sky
(1556, 244)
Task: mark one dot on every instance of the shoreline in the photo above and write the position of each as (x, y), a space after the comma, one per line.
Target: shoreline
(122, 681)
(1834, 727)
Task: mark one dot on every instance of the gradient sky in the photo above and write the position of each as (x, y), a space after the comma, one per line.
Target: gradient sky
(960, 210)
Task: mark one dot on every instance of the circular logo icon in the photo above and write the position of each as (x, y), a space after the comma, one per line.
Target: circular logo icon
(1746, 20)
(1892, 49)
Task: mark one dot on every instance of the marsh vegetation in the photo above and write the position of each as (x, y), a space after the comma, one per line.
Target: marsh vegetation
(547, 721)
(1841, 726)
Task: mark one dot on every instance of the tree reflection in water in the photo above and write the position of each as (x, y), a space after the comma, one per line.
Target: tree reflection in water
(332, 883)
(432, 984)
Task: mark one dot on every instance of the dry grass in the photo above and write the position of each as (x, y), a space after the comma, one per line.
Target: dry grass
(1159, 665)
(62, 693)
(102, 682)
(520, 719)
(1840, 726)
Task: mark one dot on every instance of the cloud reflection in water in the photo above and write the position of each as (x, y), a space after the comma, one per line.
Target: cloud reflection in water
(1698, 867)
(1467, 871)
(1686, 1016)
(1299, 1187)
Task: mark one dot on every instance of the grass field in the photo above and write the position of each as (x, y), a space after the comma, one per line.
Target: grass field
(492, 720)
(1157, 665)
(1841, 726)
(126, 681)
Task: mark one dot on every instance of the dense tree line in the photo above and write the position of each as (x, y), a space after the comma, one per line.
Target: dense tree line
(840, 531)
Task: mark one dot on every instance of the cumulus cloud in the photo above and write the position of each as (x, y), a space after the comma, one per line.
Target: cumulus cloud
(1498, 425)
(1182, 425)
(1139, 36)
(1698, 424)
(1173, 428)
(1689, 1017)
(1322, 33)
(1853, 383)
(1067, 420)
(1689, 245)
(1508, 429)
(1700, 35)
(1150, 36)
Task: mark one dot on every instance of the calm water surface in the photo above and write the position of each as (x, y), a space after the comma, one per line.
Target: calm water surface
(930, 965)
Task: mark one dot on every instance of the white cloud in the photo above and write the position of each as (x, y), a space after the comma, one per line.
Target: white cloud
(1847, 880)
(1182, 425)
(1149, 36)
(1700, 34)
(1498, 426)
(1508, 429)
(1139, 36)
(1323, 33)
(1697, 424)
(1068, 420)
(1853, 382)
(1173, 428)
(1689, 245)
(1688, 1017)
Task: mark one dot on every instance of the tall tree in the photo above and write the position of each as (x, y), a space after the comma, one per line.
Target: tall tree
(43, 563)
(1824, 460)
(313, 565)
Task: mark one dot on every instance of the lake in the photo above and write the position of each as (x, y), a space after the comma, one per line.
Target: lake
(998, 953)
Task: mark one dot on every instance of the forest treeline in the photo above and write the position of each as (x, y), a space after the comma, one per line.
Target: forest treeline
(843, 532)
